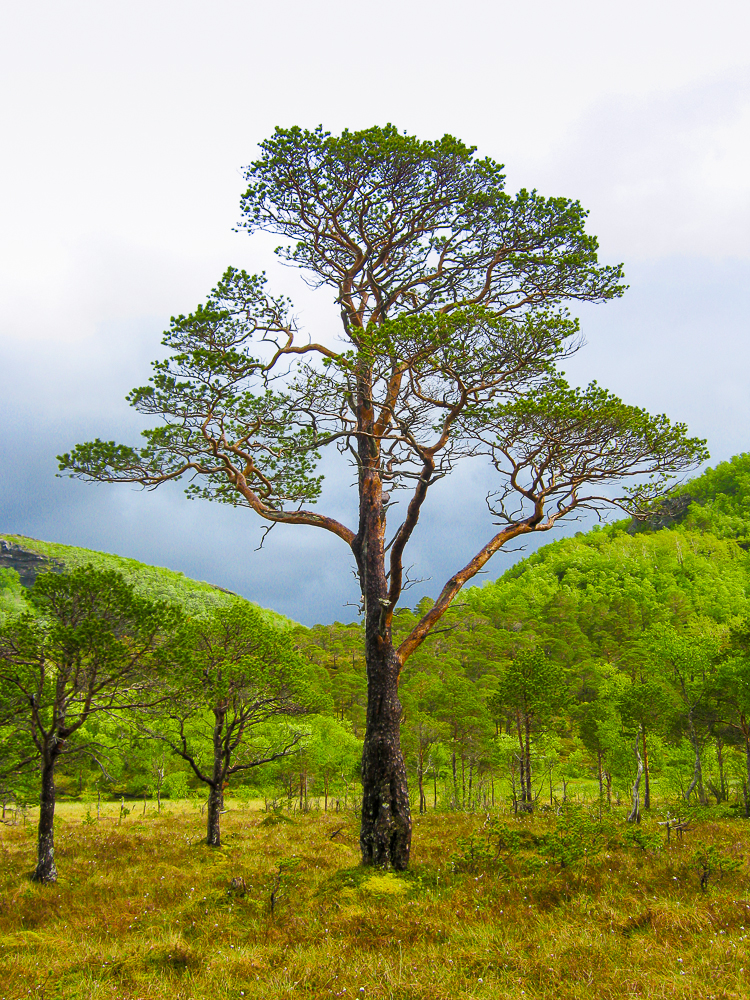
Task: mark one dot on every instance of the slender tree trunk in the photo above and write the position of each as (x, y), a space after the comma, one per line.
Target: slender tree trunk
(216, 789)
(46, 870)
(747, 769)
(420, 779)
(646, 776)
(635, 813)
(521, 761)
(513, 788)
(213, 822)
(697, 781)
(720, 759)
(527, 753)
(601, 777)
(455, 777)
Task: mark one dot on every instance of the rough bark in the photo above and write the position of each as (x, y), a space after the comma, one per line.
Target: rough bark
(646, 774)
(385, 832)
(46, 870)
(216, 785)
(213, 827)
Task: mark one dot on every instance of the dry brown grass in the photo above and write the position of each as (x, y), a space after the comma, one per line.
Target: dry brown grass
(145, 910)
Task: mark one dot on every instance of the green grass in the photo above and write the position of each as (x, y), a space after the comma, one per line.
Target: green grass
(145, 910)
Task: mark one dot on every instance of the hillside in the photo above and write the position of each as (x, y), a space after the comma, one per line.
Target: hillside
(30, 556)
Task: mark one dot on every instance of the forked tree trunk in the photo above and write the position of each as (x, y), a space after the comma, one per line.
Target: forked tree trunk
(46, 870)
(635, 812)
(385, 832)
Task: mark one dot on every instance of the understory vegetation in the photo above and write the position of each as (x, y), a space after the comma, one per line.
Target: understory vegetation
(619, 659)
(577, 741)
(514, 906)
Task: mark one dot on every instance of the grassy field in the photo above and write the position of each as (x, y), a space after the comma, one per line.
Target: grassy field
(526, 908)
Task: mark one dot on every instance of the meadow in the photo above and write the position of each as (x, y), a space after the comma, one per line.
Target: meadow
(555, 905)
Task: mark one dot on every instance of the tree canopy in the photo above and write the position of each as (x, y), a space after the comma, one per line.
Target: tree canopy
(452, 298)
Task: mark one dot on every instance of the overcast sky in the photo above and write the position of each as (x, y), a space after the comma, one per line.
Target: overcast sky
(124, 130)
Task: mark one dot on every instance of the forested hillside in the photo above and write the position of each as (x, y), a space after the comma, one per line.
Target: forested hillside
(617, 660)
(154, 581)
(618, 650)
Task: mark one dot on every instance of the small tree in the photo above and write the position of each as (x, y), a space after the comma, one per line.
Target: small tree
(234, 674)
(451, 296)
(731, 689)
(87, 649)
(532, 687)
(688, 660)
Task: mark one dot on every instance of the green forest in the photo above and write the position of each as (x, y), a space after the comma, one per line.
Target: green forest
(534, 787)
(577, 744)
(611, 667)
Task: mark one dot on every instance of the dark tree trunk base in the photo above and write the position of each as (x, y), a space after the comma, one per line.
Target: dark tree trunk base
(213, 828)
(385, 833)
(46, 869)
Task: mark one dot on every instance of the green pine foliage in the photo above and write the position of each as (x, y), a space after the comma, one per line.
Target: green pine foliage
(629, 641)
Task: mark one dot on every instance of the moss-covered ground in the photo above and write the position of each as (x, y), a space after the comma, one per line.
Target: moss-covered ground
(526, 908)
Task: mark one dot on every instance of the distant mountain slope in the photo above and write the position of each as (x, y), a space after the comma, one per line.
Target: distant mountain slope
(30, 556)
(717, 501)
(689, 559)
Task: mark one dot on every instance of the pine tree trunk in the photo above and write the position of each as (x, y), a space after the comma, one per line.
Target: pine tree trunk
(385, 832)
(527, 752)
(646, 775)
(213, 823)
(420, 779)
(46, 870)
